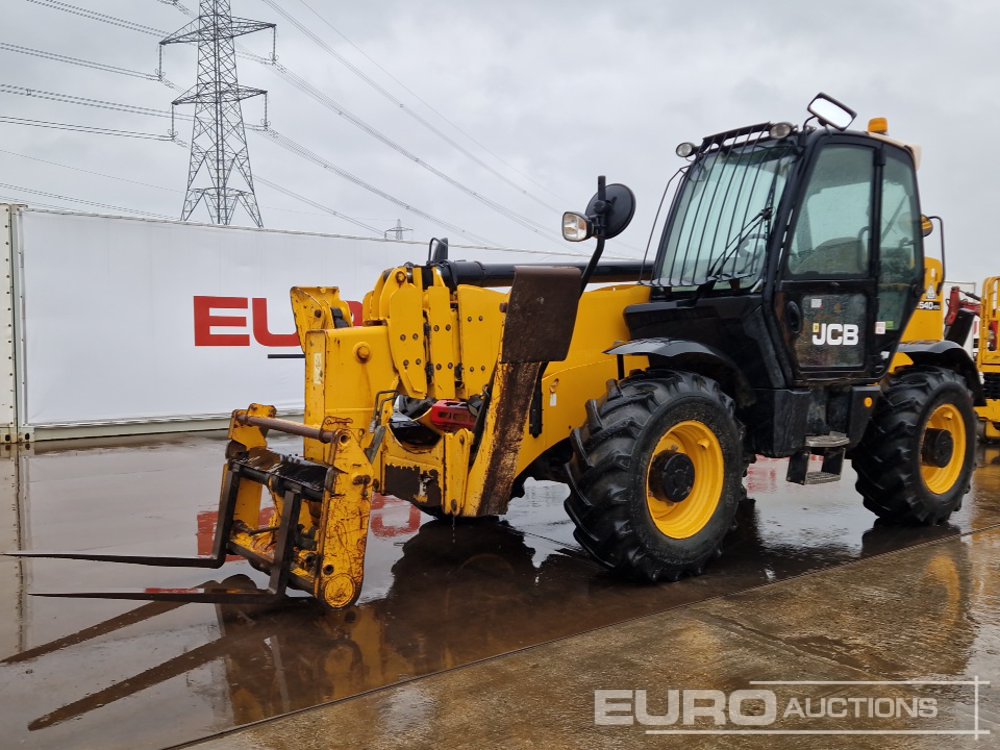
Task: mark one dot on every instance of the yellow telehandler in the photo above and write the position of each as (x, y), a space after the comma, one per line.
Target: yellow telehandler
(965, 308)
(770, 320)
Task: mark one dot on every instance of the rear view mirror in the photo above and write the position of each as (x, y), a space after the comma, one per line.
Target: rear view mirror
(616, 206)
(831, 112)
(608, 213)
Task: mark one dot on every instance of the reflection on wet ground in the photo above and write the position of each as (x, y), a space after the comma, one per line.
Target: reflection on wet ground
(437, 596)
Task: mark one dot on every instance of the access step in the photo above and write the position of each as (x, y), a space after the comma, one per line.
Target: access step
(833, 440)
(831, 447)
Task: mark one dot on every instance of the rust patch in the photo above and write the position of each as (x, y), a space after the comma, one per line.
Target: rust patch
(541, 314)
(516, 385)
(410, 483)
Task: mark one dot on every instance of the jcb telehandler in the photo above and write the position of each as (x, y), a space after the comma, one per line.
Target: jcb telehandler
(770, 321)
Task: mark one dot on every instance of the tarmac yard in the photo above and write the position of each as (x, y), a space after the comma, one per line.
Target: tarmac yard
(512, 626)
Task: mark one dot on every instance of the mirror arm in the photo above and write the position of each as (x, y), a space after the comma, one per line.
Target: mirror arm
(944, 264)
(592, 265)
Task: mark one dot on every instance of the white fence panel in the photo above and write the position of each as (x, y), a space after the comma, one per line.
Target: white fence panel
(136, 321)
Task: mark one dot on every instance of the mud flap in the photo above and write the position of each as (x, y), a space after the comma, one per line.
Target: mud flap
(541, 316)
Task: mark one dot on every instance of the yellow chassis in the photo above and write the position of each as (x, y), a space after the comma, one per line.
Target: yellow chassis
(423, 340)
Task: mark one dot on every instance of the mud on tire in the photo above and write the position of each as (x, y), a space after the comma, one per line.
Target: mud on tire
(898, 472)
(611, 501)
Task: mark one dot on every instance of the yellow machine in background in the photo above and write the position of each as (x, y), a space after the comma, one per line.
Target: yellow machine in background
(933, 321)
(988, 356)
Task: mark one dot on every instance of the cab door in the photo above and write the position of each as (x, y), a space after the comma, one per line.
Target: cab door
(900, 252)
(826, 296)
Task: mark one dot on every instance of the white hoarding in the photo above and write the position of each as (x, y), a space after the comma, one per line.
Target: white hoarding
(128, 320)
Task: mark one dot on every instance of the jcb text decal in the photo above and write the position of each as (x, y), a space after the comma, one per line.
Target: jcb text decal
(835, 334)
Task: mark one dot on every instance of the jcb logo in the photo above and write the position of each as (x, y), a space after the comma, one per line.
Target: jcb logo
(835, 334)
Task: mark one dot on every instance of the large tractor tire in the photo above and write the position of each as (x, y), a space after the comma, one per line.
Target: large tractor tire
(916, 458)
(656, 475)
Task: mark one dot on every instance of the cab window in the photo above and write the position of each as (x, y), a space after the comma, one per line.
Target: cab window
(900, 241)
(832, 235)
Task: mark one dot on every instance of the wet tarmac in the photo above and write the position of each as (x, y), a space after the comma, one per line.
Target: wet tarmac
(91, 673)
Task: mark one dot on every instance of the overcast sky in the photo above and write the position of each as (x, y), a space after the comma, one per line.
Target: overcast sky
(557, 92)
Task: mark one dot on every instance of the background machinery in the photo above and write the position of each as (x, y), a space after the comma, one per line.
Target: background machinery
(770, 321)
(965, 308)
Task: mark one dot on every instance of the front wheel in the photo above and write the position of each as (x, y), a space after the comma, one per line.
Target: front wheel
(656, 475)
(916, 458)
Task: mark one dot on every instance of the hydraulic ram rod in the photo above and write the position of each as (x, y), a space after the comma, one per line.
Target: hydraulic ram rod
(283, 425)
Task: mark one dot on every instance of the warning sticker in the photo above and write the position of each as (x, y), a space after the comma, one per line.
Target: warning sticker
(880, 328)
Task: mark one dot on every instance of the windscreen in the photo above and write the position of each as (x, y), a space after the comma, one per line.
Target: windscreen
(724, 213)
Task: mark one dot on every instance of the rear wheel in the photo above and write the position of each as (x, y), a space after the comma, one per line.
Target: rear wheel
(916, 458)
(656, 475)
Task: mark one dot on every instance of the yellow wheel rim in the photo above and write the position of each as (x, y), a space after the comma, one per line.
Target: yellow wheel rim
(941, 479)
(681, 520)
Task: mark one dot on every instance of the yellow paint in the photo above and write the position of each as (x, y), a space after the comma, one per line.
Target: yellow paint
(682, 520)
(927, 323)
(584, 374)
(941, 479)
(899, 361)
(349, 371)
(989, 323)
(480, 325)
(442, 344)
(312, 308)
(347, 386)
(406, 339)
(992, 427)
(344, 516)
(988, 357)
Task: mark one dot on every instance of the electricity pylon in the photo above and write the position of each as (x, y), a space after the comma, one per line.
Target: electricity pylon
(218, 142)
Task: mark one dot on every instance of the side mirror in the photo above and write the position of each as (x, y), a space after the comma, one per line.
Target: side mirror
(831, 112)
(608, 214)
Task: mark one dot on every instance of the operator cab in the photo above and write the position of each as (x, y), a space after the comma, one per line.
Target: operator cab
(818, 231)
(792, 257)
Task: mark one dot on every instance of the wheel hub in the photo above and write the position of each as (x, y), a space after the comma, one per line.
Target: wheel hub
(672, 476)
(938, 447)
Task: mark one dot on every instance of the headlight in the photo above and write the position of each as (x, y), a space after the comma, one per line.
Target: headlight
(575, 227)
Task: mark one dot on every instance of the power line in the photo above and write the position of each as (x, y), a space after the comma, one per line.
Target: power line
(90, 171)
(314, 204)
(85, 128)
(77, 61)
(95, 16)
(148, 111)
(334, 106)
(70, 199)
(7, 88)
(396, 101)
(302, 85)
(119, 178)
(416, 96)
(286, 143)
(305, 153)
